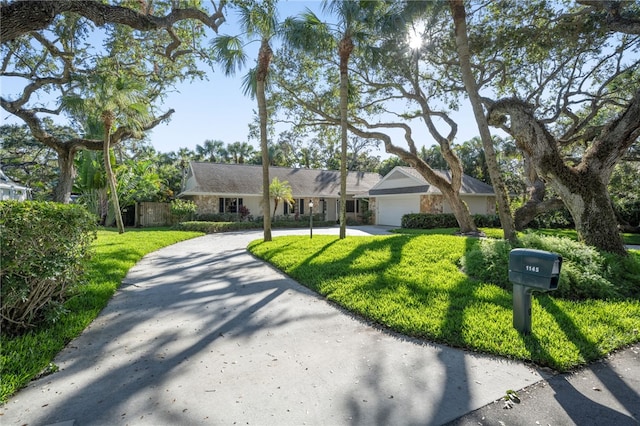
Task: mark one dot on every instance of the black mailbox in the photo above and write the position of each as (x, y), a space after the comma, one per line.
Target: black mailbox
(535, 268)
(530, 270)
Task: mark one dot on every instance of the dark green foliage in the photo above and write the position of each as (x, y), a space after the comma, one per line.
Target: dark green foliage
(214, 227)
(486, 220)
(557, 219)
(428, 221)
(444, 220)
(488, 261)
(624, 188)
(44, 249)
(218, 217)
(586, 273)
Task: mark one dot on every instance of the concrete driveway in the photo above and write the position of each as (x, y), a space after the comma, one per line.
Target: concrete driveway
(202, 332)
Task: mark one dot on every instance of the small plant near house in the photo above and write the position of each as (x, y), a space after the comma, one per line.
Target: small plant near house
(182, 210)
(280, 191)
(367, 217)
(245, 214)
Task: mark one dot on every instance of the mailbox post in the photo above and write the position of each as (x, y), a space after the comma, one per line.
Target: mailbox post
(531, 270)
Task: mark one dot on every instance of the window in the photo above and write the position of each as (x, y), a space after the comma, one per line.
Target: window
(229, 205)
(351, 206)
(297, 206)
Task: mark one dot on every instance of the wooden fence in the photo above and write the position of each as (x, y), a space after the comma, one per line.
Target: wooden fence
(153, 214)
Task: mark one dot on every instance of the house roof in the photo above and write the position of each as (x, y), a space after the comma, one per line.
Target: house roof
(241, 179)
(5, 182)
(407, 180)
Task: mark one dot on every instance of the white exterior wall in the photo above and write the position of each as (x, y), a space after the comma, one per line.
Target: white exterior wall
(477, 205)
(391, 208)
(253, 204)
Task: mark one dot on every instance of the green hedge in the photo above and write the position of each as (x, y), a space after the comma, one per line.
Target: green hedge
(445, 220)
(43, 252)
(214, 227)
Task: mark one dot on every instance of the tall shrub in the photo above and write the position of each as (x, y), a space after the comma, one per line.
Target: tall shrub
(182, 210)
(43, 249)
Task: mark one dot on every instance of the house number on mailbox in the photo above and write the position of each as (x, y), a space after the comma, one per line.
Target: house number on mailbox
(532, 268)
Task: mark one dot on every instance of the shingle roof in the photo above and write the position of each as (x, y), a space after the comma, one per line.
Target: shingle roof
(242, 179)
(470, 185)
(5, 182)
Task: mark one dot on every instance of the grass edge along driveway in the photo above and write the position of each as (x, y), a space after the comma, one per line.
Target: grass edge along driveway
(26, 357)
(412, 284)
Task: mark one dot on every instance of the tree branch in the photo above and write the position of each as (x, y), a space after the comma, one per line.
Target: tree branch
(21, 17)
(615, 20)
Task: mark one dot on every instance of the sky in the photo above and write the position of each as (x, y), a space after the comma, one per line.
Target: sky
(217, 109)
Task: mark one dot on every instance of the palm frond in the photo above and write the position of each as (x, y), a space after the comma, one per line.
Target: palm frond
(249, 83)
(229, 52)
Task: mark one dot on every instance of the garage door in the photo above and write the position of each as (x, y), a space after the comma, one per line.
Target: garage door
(391, 209)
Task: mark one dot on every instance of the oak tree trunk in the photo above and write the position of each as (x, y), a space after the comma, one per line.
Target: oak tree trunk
(586, 197)
(583, 188)
(62, 191)
(451, 193)
(536, 204)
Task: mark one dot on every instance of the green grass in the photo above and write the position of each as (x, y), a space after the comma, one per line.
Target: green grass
(489, 232)
(413, 284)
(25, 357)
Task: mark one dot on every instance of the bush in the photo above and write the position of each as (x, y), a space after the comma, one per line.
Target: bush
(43, 251)
(367, 217)
(487, 220)
(445, 220)
(428, 221)
(214, 227)
(585, 274)
(218, 217)
(557, 219)
(183, 209)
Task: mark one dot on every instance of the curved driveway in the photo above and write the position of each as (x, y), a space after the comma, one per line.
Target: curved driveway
(201, 332)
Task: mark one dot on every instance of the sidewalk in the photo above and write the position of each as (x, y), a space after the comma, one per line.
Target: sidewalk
(201, 332)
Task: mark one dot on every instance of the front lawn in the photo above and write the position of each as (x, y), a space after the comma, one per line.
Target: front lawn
(413, 284)
(25, 357)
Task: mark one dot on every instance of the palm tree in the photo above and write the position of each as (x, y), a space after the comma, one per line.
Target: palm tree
(106, 100)
(210, 150)
(258, 21)
(309, 33)
(280, 192)
(91, 183)
(277, 156)
(239, 151)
